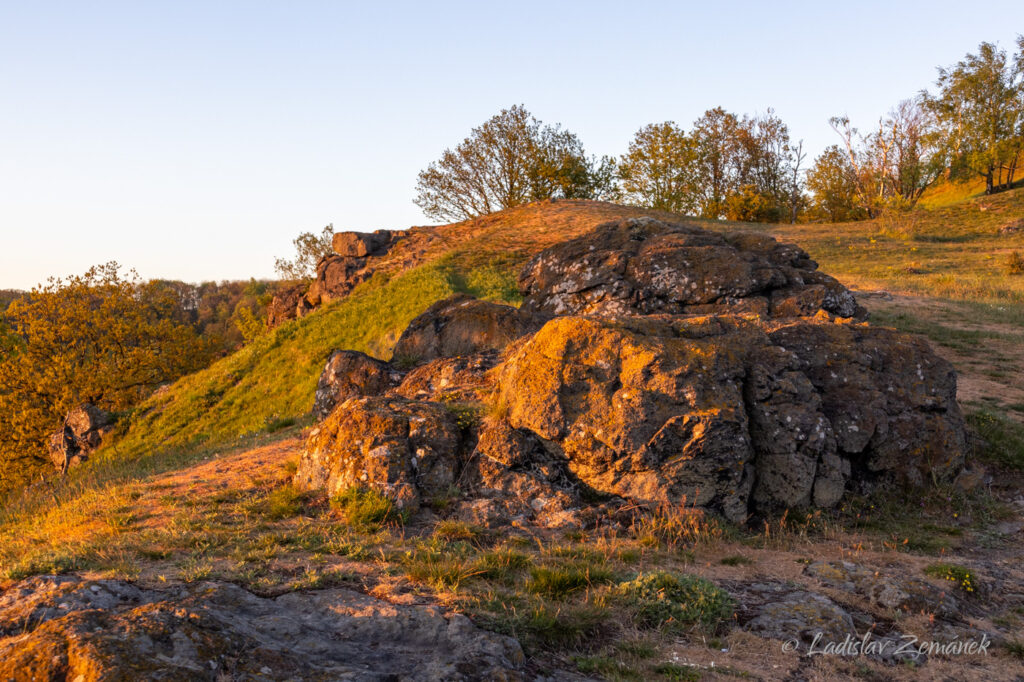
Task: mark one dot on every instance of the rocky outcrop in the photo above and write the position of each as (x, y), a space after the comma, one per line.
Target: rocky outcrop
(654, 364)
(513, 477)
(361, 244)
(351, 374)
(462, 325)
(67, 628)
(726, 411)
(408, 450)
(357, 256)
(646, 266)
(82, 433)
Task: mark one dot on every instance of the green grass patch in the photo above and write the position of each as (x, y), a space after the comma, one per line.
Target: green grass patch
(367, 509)
(962, 576)
(672, 601)
(1003, 439)
(558, 582)
(283, 503)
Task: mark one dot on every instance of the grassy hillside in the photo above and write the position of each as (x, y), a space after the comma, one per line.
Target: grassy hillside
(198, 487)
(954, 255)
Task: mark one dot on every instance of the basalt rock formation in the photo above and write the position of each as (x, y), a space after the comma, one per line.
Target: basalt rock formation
(82, 433)
(357, 256)
(650, 363)
(67, 628)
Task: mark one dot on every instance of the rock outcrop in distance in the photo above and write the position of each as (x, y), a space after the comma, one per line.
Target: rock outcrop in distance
(650, 364)
(357, 256)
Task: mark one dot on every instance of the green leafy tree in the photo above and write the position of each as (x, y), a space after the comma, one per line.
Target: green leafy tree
(510, 160)
(832, 183)
(309, 249)
(658, 169)
(980, 108)
(741, 168)
(717, 140)
(99, 338)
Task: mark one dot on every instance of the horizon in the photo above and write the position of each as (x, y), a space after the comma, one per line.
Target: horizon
(194, 144)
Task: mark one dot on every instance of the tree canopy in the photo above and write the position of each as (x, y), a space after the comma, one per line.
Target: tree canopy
(511, 159)
(980, 109)
(309, 249)
(101, 338)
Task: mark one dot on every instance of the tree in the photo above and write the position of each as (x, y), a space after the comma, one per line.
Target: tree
(98, 338)
(657, 170)
(833, 185)
(309, 249)
(980, 107)
(893, 166)
(717, 144)
(510, 160)
(740, 168)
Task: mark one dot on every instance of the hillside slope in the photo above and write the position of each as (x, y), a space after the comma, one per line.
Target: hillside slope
(196, 507)
(269, 384)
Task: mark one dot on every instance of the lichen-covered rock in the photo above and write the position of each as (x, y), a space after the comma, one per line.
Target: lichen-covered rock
(911, 595)
(735, 414)
(651, 410)
(407, 450)
(803, 616)
(67, 628)
(890, 399)
(82, 433)
(646, 266)
(462, 325)
(360, 244)
(771, 398)
(351, 374)
(512, 475)
(463, 379)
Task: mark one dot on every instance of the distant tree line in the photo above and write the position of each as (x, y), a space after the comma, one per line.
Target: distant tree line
(109, 339)
(743, 167)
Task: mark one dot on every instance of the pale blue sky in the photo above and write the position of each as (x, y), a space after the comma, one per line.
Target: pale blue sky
(194, 140)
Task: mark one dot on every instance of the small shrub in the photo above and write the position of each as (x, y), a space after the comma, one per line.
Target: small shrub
(736, 560)
(455, 530)
(1015, 264)
(365, 508)
(960, 575)
(500, 563)
(561, 581)
(283, 503)
(671, 601)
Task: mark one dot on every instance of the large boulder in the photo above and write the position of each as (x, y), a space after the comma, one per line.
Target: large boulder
(407, 450)
(731, 414)
(656, 364)
(82, 433)
(647, 266)
(462, 325)
(351, 374)
(652, 413)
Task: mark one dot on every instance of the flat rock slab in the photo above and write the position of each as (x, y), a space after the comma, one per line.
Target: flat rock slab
(64, 627)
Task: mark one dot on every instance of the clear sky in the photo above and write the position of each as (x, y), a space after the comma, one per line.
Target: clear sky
(194, 140)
